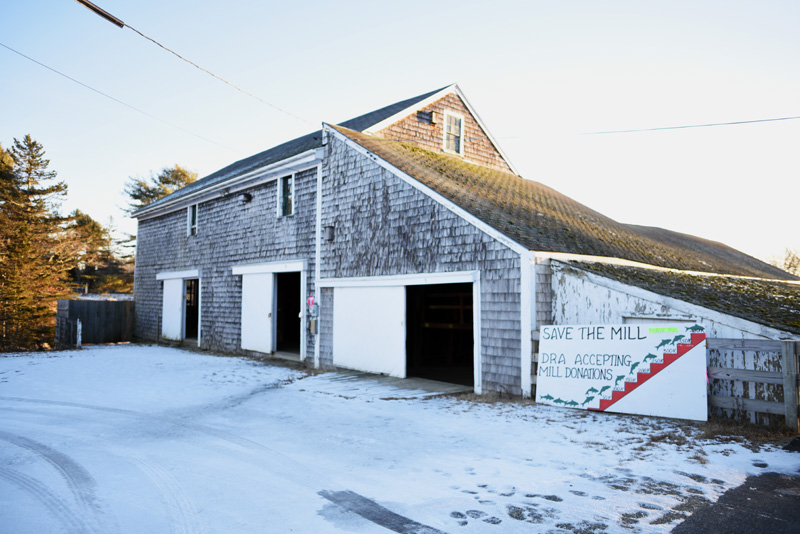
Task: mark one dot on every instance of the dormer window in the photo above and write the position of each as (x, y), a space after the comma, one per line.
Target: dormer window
(453, 133)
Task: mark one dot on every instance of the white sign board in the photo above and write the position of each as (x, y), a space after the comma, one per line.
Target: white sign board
(650, 369)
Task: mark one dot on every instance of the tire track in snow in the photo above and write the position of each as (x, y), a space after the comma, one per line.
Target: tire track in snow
(181, 512)
(180, 508)
(59, 508)
(246, 449)
(274, 461)
(81, 484)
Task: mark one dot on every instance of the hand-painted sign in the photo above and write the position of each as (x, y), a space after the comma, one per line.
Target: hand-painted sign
(648, 369)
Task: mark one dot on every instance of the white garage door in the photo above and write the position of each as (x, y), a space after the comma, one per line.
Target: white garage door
(369, 329)
(172, 309)
(257, 309)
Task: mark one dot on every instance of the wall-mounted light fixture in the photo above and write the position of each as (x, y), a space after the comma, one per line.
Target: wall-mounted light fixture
(328, 233)
(245, 198)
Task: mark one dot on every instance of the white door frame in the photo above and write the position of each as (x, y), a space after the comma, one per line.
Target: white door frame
(300, 266)
(189, 274)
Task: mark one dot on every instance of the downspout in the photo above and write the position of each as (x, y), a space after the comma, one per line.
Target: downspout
(318, 251)
(526, 301)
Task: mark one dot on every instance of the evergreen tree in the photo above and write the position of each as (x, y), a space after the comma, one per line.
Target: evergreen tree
(35, 251)
(146, 191)
(98, 268)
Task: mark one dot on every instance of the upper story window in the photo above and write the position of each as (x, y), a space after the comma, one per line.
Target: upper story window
(191, 220)
(286, 196)
(453, 133)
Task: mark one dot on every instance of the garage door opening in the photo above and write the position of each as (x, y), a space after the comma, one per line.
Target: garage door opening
(192, 312)
(439, 336)
(288, 300)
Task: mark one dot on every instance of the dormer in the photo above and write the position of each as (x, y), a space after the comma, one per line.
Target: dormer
(445, 122)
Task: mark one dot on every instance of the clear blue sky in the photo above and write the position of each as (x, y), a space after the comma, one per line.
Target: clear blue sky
(540, 73)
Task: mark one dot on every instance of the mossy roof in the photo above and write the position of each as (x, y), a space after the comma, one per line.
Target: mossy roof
(772, 303)
(542, 219)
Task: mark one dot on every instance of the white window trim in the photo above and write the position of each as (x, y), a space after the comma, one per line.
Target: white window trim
(279, 194)
(189, 226)
(447, 114)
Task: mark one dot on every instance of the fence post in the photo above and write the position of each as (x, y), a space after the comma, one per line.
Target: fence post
(790, 383)
(80, 333)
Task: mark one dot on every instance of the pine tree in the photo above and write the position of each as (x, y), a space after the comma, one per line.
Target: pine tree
(146, 191)
(35, 250)
(99, 268)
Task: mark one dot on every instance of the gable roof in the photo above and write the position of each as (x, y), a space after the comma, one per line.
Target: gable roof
(285, 150)
(542, 219)
(772, 303)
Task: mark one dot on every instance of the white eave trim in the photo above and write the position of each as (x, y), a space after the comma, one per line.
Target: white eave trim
(175, 275)
(454, 88)
(447, 203)
(298, 163)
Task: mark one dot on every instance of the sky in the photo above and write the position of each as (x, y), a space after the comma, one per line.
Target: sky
(132, 439)
(542, 75)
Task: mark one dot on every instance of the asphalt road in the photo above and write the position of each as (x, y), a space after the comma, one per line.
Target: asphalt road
(768, 503)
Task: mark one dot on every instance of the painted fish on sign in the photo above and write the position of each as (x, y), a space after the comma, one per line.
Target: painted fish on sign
(653, 369)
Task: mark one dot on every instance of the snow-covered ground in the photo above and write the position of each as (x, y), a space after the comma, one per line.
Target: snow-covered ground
(134, 439)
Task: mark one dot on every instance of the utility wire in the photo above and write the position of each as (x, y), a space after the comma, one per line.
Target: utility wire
(692, 126)
(118, 101)
(117, 22)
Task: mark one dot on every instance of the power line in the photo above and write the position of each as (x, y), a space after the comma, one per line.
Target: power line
(118, 101)
(117, 22)
(692, 126)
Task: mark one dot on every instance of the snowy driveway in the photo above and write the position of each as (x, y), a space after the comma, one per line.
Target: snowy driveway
(135, 439)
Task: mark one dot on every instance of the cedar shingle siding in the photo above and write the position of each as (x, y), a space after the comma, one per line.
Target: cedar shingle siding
(228, 233)
(384, 226)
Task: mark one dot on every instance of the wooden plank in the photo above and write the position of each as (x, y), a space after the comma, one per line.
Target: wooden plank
(766, 345)
(749, 405)
(747, 375)
(790, 383)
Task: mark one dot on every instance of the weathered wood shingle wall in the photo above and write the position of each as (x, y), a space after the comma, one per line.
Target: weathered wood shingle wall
(228, 233)
(384, 226)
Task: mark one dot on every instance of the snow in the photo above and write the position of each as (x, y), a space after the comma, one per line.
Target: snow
(134, 438)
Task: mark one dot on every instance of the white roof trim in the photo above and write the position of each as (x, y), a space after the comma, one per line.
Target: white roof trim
(303, 161)
(448, 204)
(486, 130)
(433, 98)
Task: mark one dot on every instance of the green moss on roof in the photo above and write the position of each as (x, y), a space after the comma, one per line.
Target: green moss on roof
(772, 303)
(542, 219)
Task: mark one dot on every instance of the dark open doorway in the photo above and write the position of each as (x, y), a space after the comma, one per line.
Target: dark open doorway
(439, 336)
(192, 312)
(287, 286)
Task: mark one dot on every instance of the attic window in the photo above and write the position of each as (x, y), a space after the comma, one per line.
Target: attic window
(453, 133)
(425, 116)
